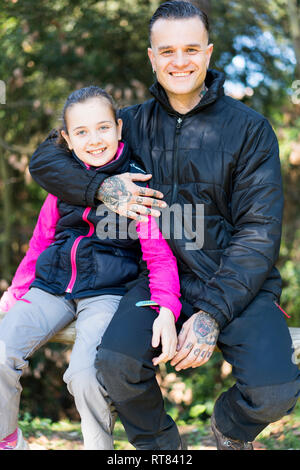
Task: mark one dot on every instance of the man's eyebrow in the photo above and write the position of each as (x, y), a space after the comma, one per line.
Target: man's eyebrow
(186, 45)
(81, 127)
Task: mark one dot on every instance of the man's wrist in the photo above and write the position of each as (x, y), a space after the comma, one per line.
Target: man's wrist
(208, 317)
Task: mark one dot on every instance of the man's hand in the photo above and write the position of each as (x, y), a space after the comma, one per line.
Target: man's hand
(121, 195)
(196, 341)
(164, 331)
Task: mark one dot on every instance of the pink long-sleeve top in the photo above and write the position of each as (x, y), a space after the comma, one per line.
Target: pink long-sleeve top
(163, 273)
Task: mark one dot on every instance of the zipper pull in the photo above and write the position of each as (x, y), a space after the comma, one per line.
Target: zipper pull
(179, 122)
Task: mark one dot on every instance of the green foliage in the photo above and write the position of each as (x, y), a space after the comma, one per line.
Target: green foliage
(291, 292)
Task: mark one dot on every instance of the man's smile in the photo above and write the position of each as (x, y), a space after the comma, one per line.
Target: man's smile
(181, 74)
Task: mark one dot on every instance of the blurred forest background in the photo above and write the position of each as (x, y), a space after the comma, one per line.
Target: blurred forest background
(49, 48)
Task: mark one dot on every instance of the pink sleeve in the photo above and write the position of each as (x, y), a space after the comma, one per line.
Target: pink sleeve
(43, 236)
(162, 266)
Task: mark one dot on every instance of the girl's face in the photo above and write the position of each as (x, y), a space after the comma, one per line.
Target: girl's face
(93, 133)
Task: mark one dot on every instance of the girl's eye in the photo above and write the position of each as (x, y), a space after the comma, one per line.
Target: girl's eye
(81, 133)
(104, 128)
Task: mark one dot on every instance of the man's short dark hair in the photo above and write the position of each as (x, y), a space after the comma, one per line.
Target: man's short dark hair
(178, 10)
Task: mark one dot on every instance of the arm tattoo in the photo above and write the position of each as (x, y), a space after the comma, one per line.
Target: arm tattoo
(206, 329)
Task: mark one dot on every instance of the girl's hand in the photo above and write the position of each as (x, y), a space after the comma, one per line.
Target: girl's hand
(164, 332)
(7, 301)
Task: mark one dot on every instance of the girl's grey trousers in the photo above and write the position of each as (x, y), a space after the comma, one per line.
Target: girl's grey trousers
(29, 325)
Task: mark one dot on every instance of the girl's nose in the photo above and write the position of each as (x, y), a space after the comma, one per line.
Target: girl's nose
(95, 138)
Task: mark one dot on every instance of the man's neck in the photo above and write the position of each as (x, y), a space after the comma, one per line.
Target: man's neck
(185, 103)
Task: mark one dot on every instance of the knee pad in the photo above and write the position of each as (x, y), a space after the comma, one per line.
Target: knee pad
(270, 403)
(122, 376)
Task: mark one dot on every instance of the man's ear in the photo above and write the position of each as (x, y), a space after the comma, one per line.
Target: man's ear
(151, 58)
(120, 127)
(67, 139)
(209, 52)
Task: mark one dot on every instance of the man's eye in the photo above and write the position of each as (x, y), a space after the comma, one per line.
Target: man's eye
(167, 52)
(192, 51)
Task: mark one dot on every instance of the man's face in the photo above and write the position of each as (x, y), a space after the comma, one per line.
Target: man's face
(180, 56)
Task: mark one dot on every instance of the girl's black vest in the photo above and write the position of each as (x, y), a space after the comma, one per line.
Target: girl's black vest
(95, 251)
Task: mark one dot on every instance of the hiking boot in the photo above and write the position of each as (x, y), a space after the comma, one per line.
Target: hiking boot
(226, 443)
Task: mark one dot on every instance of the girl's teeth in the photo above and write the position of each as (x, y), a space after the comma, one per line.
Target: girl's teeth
(95, 152)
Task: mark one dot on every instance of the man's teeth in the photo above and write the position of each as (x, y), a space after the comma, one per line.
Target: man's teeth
(180, 74)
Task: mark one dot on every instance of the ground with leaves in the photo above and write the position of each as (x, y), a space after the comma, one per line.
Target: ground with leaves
(42, 434)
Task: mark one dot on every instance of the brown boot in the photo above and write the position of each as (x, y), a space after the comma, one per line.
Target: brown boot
(226, 443)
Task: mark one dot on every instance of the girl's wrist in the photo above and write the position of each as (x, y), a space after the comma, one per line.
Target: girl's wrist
(166, 312)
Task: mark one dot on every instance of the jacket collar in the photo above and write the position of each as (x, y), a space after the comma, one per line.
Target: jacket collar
(214, 81)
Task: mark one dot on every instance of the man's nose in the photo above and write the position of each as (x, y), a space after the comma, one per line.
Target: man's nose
(180, 59)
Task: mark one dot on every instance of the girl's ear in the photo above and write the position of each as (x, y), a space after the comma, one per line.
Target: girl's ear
(67, 139)
(119, 127)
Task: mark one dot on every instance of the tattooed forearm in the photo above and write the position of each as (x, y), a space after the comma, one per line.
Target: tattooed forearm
(206, 329)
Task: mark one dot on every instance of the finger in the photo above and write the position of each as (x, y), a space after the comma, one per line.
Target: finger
(148, 201)
(171, 345)
(155, 337)
(182, 337)
(202, 359)
(149, 192)
(133, 215)
(165, 345)
(144, 210)
(189, 360)
(184, 351)
(173, 350)
(140, 176)
(162, 358)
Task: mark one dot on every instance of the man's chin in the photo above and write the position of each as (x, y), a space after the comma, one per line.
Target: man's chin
(180, 90)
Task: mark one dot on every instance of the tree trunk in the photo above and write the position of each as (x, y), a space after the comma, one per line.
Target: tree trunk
(294, 20)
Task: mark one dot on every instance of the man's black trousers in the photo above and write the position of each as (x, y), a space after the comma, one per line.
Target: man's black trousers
(257, 344)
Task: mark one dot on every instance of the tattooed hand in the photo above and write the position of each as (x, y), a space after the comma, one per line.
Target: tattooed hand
(121, 195)
(196, 341)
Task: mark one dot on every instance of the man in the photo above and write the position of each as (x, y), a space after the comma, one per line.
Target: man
(201, 148)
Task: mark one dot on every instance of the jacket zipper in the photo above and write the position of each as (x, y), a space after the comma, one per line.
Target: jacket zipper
(175, 160)
(74, 249)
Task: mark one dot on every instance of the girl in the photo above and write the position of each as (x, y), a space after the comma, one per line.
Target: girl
(75, 269)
